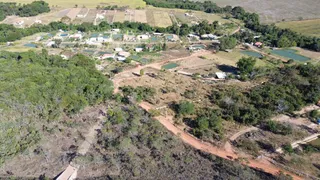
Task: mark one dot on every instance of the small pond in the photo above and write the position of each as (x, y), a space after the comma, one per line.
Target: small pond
(252, 54)
(170, 66)
(290, 54)
(117, 36)
(30, 45)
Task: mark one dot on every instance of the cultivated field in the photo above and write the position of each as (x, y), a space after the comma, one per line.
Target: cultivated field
(276, 10)
(89, 4)
(308, 27)
(162, 19)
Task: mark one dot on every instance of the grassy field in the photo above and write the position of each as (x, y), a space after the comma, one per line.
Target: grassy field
(308, 27)
(275, 10)
(86, 3)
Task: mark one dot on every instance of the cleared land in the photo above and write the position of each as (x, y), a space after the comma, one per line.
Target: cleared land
(140, 16)
(162, 19)
(119, 16)
(276, 10)
(86, 3)
(308, 27)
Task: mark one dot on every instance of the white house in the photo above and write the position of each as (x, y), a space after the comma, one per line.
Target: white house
(106, 56)
(115, 30)
(119, 58)
(138, 49)
(143, 37)
(76, 36)
(50, 43)
(124, 54)
(118, 49)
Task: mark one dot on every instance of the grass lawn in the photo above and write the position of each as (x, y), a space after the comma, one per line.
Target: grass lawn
(89, 4)
(307, 27)
(235, 55)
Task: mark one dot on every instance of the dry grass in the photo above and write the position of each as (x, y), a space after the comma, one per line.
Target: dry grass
(119, 16)
(140, 16)
(162, 19)
(308, 27)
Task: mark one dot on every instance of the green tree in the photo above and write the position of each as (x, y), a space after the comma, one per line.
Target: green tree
(185, 108)
(246, 65)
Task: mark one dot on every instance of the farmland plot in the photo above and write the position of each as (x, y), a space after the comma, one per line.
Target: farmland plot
(140, 16)
(162, 19)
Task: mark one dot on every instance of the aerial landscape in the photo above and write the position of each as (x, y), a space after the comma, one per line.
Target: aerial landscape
(160, 89)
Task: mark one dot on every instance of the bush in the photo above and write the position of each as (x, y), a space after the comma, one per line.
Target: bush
(287, 148)
(185, 108)
(278, 128)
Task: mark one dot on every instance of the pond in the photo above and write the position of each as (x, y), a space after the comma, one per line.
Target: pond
(252, 54)
(30, 45)
(117, 36)
(63, 35)
(170, 66)
(290, 54)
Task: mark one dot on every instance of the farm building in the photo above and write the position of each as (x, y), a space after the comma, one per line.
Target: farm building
(209, 36)
(76, 36)
(50, 43)
(258, 44)
(193, 36)
(119, 58)
(157, 34)
(143, 37)
(124, 54)
(221, 75)
(138, 49)
(118, 49)
(107, 56)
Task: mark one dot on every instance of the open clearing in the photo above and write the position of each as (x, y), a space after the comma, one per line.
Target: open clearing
(308, 27)
(276, 10)
(89, 4)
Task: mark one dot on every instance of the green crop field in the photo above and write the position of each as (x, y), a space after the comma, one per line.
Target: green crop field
(308, 27)
(86, 3)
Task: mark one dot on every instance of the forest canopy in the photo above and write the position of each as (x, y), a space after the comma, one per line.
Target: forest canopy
(26, 10)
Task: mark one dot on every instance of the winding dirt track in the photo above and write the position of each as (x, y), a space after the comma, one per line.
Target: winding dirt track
(262, 165)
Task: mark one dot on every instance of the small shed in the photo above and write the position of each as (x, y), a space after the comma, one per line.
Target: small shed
(124, 54)
(221, 75)
(138, 49)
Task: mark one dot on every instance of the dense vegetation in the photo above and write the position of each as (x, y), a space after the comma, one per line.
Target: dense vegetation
(37, 88)
(131, 145)
(288, 89)
(272, 35)
(26, 10)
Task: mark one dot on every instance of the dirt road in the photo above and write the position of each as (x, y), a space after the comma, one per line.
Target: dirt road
(260, 164)
(203, 146)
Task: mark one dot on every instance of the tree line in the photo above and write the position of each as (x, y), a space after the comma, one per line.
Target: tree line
(272, 35)
(11, 33)
(25, 10)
